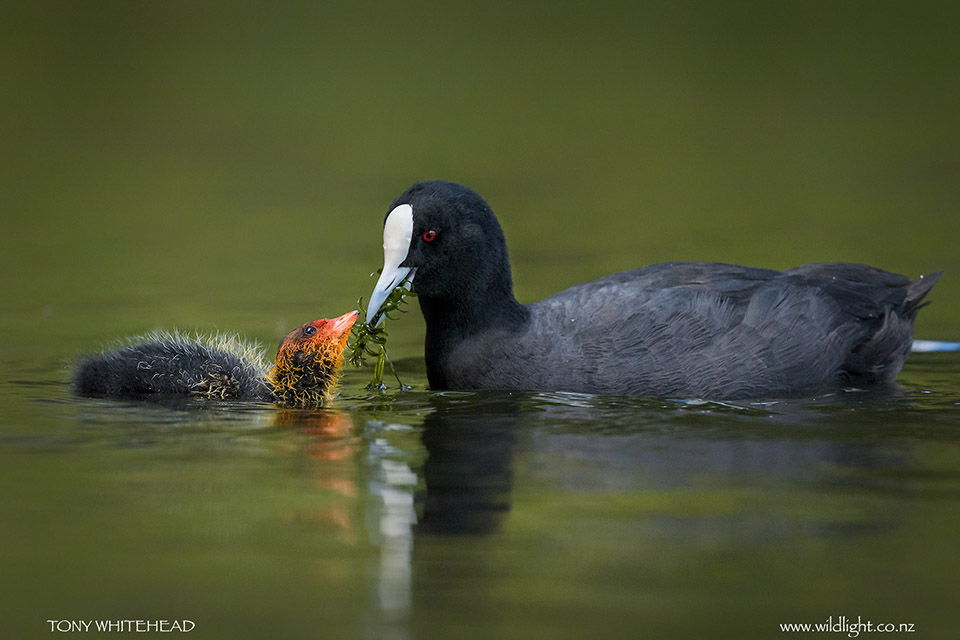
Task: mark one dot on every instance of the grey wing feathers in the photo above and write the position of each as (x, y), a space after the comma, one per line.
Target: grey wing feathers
(718, 330)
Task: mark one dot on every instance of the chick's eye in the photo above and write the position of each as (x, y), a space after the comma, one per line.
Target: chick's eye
(309, 330)
(429, 236)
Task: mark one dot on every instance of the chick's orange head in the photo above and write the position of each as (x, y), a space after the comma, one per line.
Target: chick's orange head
(309, 360)
(328, 335)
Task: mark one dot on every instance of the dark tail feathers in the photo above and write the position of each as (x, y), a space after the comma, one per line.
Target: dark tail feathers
(917, 290)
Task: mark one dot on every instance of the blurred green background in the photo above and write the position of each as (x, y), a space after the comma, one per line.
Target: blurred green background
(228, 165)
(219, 164)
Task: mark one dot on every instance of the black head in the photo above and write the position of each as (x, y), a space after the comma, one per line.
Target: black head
(445, 237)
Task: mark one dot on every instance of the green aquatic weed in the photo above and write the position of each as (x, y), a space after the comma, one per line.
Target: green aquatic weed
(371, 339)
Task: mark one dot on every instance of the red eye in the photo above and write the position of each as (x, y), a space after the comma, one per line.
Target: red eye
(429, 236)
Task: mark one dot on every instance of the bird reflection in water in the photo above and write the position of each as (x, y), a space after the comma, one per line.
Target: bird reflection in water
(461, 488)
(331, 440)
(468, 472)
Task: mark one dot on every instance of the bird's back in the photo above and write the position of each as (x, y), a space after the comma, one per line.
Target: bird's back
(174, 364)
(715, 330)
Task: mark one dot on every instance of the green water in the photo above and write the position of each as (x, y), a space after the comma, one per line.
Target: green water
(217, 166)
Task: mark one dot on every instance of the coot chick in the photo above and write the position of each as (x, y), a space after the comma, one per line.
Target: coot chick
(679, 329)
(305, 374)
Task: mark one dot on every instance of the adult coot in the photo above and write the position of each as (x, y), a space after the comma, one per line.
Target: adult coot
(170, 364)
(682, 329)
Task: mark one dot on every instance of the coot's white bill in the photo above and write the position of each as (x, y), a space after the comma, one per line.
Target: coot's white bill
(397, 231)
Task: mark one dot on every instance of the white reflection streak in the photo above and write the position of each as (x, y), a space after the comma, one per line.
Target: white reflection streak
(396, 531)
(934, 346)
(395, 485)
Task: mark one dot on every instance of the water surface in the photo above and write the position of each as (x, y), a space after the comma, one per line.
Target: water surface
(433, 514)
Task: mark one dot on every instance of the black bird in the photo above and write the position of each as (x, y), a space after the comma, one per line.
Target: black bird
(680, 329)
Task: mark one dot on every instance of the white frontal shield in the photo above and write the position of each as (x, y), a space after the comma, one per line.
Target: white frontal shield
(397, 232)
